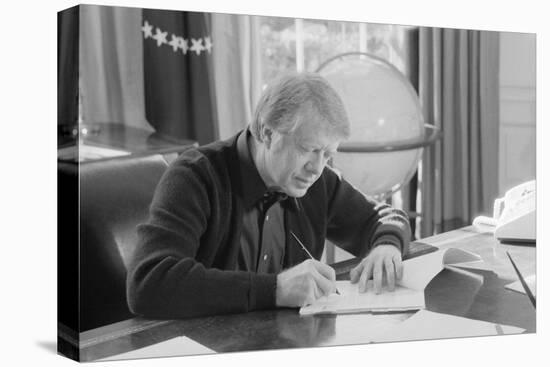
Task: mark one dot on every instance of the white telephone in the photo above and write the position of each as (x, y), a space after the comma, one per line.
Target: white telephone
(514, 215)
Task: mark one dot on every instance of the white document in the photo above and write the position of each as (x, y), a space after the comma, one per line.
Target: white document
(408, 294)
(531, 282)
(432, 325)
(179, 346)
(89, 152)
(419, 271)
(351, 300)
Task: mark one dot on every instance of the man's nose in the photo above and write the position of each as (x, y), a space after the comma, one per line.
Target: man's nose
(316, 164)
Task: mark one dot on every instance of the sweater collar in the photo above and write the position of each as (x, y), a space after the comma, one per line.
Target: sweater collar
(253, 187)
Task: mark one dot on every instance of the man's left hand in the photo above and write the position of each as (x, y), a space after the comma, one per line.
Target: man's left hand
(383, 262)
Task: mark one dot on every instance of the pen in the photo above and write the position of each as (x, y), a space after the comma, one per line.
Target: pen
(307, 252)
(523, 284)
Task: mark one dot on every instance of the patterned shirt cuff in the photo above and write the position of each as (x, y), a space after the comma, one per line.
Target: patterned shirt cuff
(388, 239)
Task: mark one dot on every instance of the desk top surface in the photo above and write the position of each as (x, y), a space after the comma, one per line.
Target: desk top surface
(117, 137)
(450, 292)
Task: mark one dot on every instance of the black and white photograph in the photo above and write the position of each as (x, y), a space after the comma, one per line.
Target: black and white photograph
(271, 183)
(232, 183)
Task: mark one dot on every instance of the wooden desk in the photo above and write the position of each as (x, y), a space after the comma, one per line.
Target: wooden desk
(450, 292)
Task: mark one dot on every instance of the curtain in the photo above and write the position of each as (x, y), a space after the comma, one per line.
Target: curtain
(111, 66)
(458, 84)
(237, 70)
(67, 70)
(405, 44)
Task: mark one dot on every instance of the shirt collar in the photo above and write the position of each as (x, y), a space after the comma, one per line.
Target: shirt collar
(253, 186)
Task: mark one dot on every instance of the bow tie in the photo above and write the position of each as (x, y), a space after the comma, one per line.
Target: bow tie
(271, 197)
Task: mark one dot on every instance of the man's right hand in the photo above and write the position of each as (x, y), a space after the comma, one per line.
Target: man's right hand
(304, 283)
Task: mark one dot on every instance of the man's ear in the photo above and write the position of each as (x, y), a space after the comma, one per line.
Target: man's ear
(266, 135)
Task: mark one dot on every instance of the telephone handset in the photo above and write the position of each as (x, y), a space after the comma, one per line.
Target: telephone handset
(514, 215)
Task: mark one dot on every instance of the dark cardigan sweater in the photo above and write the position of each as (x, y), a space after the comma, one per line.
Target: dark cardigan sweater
(185, 262)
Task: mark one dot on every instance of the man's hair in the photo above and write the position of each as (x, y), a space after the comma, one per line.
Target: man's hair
(296, 95)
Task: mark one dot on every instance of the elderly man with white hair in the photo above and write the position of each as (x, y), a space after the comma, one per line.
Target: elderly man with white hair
(226, 218)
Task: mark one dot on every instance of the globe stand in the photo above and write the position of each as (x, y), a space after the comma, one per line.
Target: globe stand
(431, 135)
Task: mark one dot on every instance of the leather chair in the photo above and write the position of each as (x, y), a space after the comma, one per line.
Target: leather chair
(115, 196)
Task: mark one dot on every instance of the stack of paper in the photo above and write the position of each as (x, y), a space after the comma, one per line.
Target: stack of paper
(351, 300)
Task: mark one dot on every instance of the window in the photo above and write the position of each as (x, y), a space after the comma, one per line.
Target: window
(303, 44)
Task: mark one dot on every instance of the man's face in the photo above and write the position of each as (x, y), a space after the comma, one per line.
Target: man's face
(293, 162)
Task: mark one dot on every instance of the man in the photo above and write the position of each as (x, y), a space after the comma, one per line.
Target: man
(220, 237)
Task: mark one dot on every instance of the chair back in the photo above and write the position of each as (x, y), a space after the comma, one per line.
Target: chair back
(115, 196)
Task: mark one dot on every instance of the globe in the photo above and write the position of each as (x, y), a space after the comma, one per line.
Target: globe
(387, 127)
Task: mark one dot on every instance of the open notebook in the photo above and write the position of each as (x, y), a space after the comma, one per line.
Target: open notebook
(408, 293)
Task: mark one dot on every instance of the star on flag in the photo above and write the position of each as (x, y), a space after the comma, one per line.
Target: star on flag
(197, 46)
(208, 44)
(177, 42)
(184, 45)
(147, 30)
(160, 36)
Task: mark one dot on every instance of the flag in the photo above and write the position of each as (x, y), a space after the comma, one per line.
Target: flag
(177, 51)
